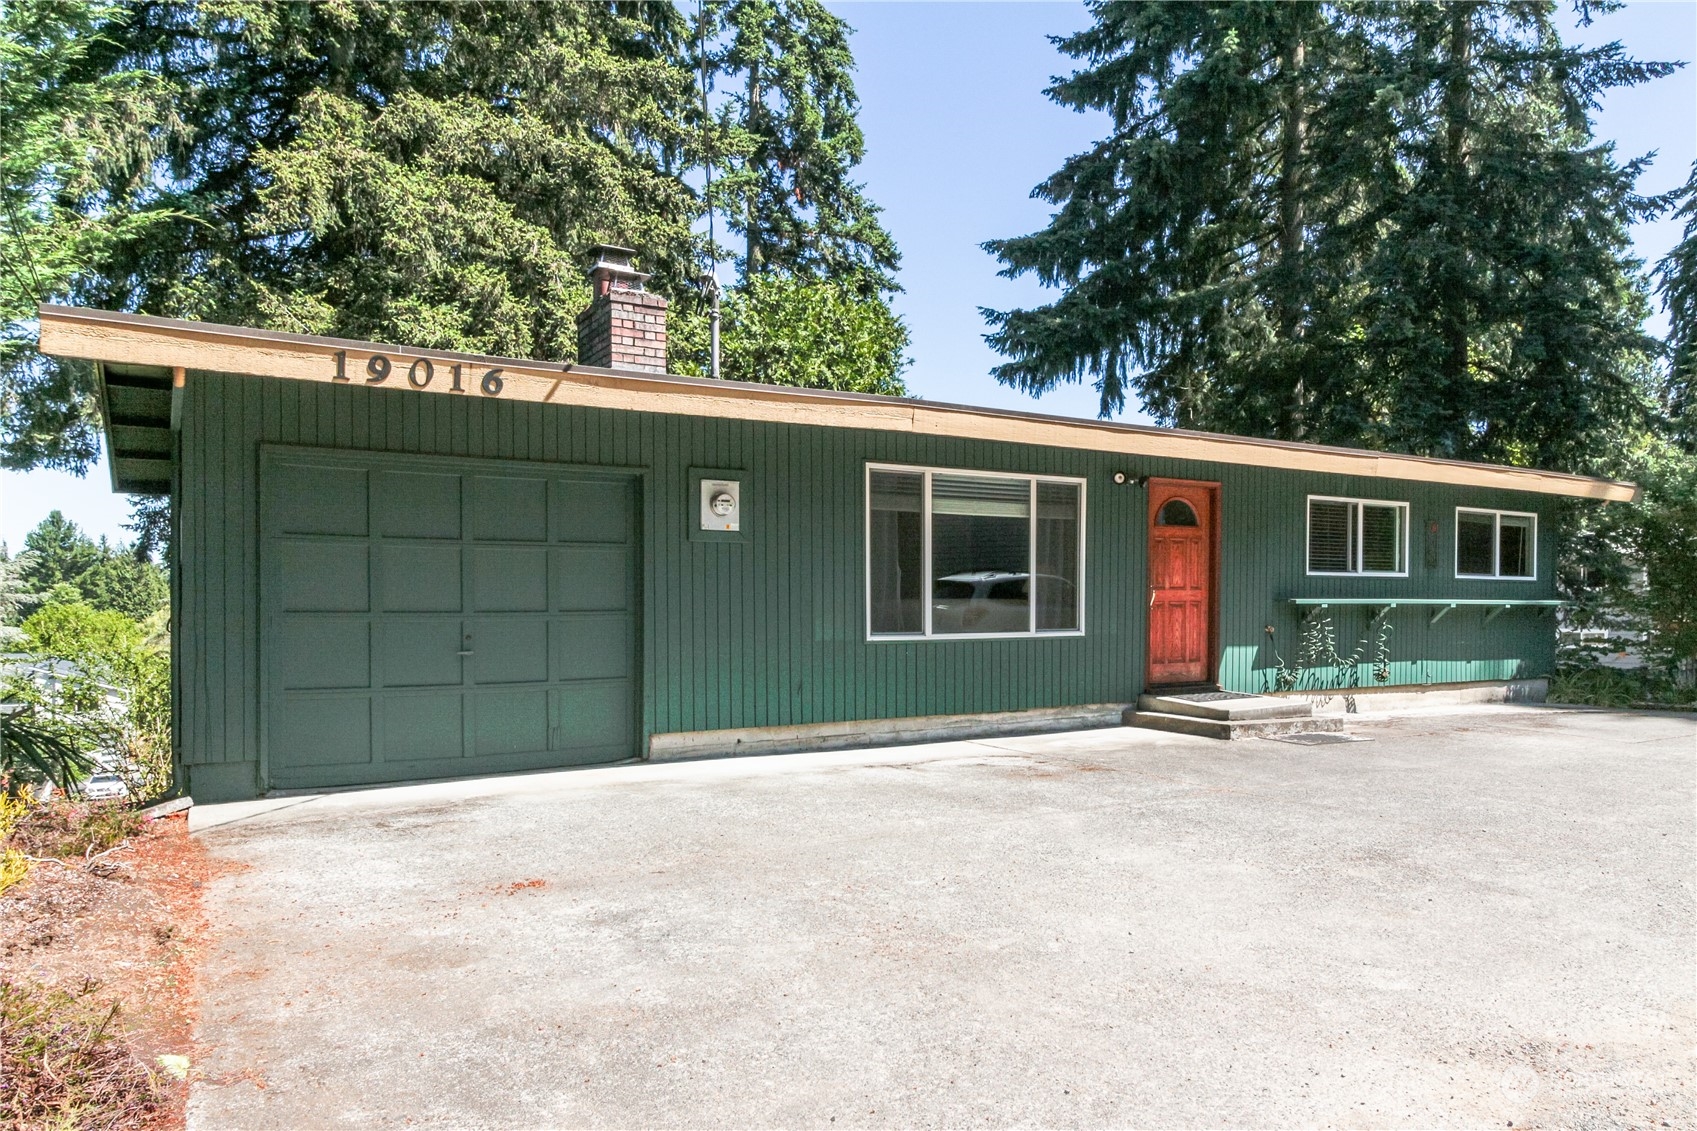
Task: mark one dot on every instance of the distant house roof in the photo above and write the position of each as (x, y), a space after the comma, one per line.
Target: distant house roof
(144, 358)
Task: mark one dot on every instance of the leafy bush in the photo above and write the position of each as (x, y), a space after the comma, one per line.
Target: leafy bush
(1593, 685)
(109, 692)
(33, 750)
(13, 807)
(1632, 567)
(66, 1064)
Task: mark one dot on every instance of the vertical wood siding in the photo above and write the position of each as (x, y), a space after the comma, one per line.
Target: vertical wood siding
(770, 631)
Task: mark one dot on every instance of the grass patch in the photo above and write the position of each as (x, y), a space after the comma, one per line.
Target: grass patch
(66, 1063)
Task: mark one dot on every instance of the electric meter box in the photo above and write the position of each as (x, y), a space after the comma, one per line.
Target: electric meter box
(718, 504)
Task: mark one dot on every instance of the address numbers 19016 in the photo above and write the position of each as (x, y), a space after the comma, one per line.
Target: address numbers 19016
(419, 373)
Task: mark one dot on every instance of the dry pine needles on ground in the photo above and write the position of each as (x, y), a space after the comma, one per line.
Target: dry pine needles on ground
(97, 946)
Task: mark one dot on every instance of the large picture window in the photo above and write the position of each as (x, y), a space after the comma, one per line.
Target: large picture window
(1502, 544)
(1357, 536)
(973, 554)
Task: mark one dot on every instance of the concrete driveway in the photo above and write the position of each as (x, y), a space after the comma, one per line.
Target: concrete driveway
(1480, 919)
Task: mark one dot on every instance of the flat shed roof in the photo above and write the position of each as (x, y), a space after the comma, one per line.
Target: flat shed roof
(143, 358)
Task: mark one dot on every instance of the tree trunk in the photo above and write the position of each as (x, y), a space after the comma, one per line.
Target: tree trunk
(752, 257)
(1291, 215)
(1458, 110)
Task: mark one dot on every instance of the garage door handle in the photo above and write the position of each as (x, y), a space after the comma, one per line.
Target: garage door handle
(465, 652)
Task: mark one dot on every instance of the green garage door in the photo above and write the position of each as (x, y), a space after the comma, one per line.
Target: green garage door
(438, 617)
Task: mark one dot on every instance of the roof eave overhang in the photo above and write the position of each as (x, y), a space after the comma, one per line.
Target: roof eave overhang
(140, 343)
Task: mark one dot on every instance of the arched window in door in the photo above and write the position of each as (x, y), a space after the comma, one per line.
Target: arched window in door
(1176, 512)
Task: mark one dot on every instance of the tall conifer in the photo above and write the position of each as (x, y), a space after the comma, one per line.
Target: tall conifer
(788, 143)
(1375, 224)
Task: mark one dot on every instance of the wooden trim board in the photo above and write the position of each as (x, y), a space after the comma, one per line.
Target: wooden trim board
(174, 344)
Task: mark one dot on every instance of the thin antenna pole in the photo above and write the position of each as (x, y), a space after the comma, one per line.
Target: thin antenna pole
(712, 235)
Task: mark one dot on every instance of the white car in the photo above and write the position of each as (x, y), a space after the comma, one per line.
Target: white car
(104, 785)
(988, 600)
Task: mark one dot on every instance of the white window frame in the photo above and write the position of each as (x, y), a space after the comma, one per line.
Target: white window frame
(1404, 536)
(1497, 517)
(1032, 632)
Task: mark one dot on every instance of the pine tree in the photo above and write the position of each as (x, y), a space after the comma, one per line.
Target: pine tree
(1677, 283)
(58, 553)
(431, 173)
(788, 141)
(1375, 224)
(78, 135)
(1503, 314)
(1194, 241)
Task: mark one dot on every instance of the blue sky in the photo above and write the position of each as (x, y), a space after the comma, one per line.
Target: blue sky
(958, 132)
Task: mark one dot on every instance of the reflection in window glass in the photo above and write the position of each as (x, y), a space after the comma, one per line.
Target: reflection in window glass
(1381, 539)
(1177, 512)
(1474, 535)
(1514, 540)
(1357, 536)
(980, 554)
(1331, 537)
(897, 581)
(1057, 556)
(1002, 555)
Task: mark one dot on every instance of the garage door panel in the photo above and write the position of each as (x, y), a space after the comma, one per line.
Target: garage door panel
(319, 653)
(510, 722)
(417, 504)
(308, 499)
(322, 730)
(594, 646)
(420, 578)
(509, 509)
(423, 727)
(323, 577)
(509, 580)
(378, 578)
(595, 715)
(593, 510)
(589, 578)
(510, 650)
(419, 652)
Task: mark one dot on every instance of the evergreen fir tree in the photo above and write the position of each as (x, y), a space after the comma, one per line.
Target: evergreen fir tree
(1502, 314)
(78, 135)
(57, 552)
(1376, 224)
(788, 141)
(1677, 283)
(1195, 241)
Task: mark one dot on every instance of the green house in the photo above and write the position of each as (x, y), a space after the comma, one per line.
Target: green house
(396, 564)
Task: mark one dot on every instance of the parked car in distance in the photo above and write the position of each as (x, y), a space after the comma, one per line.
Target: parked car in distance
(989, 600)
(104, 785)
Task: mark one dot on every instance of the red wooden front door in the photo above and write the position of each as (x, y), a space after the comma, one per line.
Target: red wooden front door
(1181, 581)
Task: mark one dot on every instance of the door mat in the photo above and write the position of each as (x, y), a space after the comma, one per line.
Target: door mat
(1208, 696)
(1318, 738)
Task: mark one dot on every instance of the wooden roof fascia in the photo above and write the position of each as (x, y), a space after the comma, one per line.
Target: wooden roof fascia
(174, 344)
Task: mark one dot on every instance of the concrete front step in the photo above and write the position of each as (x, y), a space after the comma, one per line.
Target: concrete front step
(1241, 708)
(1224, 728)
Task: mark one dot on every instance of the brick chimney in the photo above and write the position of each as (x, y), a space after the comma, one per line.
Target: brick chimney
(624, 326)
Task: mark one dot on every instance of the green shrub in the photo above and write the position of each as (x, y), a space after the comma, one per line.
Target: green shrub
(1593, 685)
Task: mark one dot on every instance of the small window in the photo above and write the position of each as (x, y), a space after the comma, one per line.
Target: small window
(1357, 536)
(1502, 544)
(972, 554)
(1177, 512)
